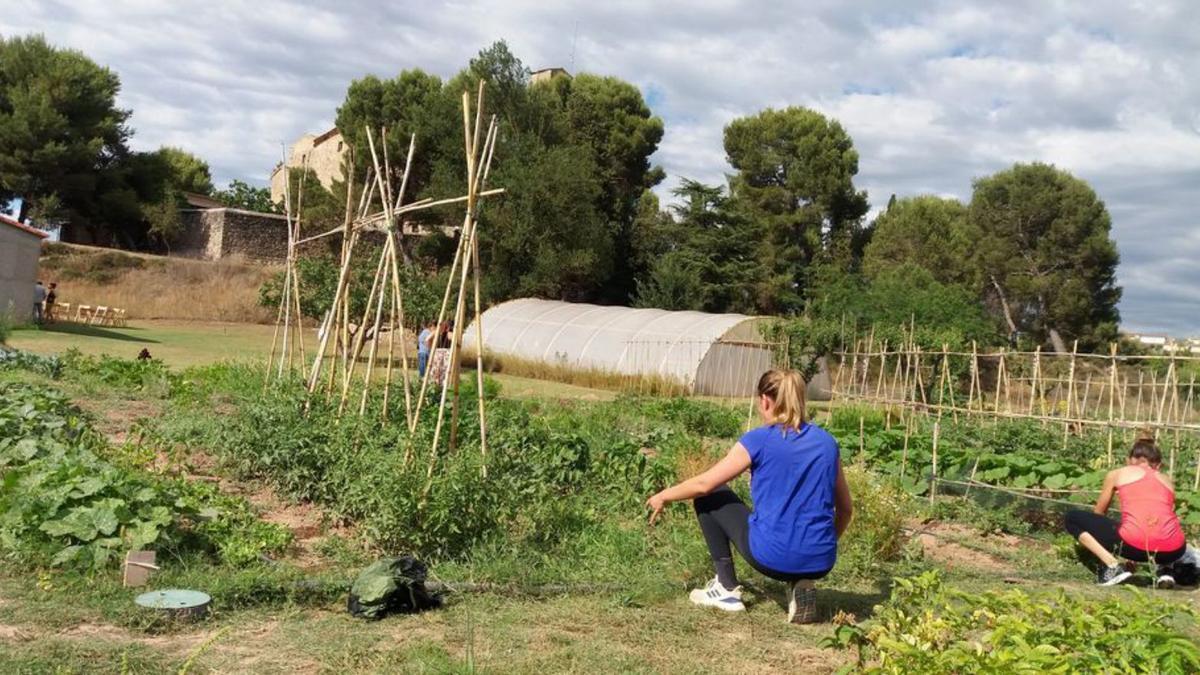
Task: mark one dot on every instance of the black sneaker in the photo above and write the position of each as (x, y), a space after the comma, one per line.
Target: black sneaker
(1111, 576)
(1164, 577)
(802, 604)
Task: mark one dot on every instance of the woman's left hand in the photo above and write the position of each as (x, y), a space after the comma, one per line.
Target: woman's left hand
(655, 503)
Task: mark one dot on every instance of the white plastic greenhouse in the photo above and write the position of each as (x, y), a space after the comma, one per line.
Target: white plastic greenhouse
(710, 354)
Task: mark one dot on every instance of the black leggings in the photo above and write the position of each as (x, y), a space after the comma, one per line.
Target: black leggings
(724, 518)
(1104, 530)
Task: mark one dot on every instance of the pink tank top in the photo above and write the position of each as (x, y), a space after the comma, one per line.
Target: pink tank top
(1148, 519)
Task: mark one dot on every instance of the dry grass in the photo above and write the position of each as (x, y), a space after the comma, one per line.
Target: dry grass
(592, 378)
(157, 287)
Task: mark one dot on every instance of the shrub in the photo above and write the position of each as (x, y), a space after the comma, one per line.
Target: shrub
(876, 534)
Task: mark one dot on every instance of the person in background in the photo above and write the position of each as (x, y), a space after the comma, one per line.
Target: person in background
(51, 298)
(802, 502)
(1149, 529)
(39, 300)
(424, 345)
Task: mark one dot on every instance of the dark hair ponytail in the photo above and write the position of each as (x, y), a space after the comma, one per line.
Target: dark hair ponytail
(1144, 448)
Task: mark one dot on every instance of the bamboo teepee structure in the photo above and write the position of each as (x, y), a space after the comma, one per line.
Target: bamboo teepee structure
(346, 338)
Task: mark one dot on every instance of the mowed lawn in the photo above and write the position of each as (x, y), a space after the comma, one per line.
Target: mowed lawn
(178, 343)
(181, 344)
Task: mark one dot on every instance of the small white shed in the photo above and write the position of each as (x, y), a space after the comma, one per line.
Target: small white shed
(20, 246)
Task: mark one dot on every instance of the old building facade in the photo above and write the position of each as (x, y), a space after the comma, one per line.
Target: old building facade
(20, 246)
(322, 153)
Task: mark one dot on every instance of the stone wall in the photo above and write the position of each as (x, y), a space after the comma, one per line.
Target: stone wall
(212, 234)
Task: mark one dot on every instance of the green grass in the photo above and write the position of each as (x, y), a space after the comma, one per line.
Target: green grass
(179, 344)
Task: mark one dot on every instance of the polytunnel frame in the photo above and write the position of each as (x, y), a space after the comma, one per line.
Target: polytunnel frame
(528, 313)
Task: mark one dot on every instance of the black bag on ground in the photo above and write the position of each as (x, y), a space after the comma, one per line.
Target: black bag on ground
(391, 585)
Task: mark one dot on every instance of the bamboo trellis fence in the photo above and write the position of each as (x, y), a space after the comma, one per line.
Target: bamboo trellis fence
(1117, 393)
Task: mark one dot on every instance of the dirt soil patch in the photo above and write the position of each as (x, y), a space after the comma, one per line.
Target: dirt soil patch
(954, 547)
(115, 418)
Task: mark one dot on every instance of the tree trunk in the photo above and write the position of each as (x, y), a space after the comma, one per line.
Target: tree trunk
(1012, 326)
(1060, 345)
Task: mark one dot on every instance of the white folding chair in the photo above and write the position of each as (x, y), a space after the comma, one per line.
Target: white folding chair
(99, 316)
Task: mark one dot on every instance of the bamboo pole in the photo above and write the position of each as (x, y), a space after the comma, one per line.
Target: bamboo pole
(335, 324)
(974, 374)
(466, 241)
(1070, 390)
(359, 337)
(385, 272)
(999, 379)
(412, 145)
(1033, 383)
(933, 478)
(882, 371)
(1112, 382)
(473, 159)
(491, 146)
(1137, 411)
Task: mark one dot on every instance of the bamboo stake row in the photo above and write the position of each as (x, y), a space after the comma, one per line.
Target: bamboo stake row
(1091, 397)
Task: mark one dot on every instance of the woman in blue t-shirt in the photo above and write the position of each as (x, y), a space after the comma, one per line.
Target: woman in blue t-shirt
(801, 501)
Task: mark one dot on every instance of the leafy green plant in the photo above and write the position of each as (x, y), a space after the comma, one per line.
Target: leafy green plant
(927, 627)
(62, 501)
(50, 366)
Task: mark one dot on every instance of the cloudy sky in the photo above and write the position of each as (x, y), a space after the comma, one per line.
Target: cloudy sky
(934, 94)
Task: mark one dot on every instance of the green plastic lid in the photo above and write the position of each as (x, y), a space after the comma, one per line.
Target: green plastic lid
(173, 598)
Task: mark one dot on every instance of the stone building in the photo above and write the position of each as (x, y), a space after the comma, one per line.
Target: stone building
(20, 246)
(547, 74)
(323, 154)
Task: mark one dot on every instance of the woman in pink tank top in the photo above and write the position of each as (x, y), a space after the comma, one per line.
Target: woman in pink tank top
(1149, 529)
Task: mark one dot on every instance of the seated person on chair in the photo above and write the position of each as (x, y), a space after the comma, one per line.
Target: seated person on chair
(801, 501)
(1149, 530)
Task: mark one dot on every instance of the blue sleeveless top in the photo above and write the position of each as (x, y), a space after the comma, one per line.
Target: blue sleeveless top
(793, 476)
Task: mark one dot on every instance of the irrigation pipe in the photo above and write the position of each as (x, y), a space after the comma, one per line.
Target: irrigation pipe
(1015, 492)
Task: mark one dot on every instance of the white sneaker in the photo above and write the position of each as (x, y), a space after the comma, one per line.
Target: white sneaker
(716, 595)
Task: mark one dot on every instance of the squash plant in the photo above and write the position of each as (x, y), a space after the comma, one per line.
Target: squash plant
(64, 502)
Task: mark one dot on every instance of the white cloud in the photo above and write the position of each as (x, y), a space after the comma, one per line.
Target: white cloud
(935, 92)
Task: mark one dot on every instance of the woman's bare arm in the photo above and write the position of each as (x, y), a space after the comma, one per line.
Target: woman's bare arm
(736, 461)
(843, 504)
(1106, 493)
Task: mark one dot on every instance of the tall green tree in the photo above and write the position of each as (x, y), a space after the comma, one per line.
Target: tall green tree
(708, 261)
(572, 154)
(185, 171)
(794, 178)
(610, 117)
(1044, 249)
(929, 232)
(60, 129)
(546, 237)
(241, 195)
(405, 105)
